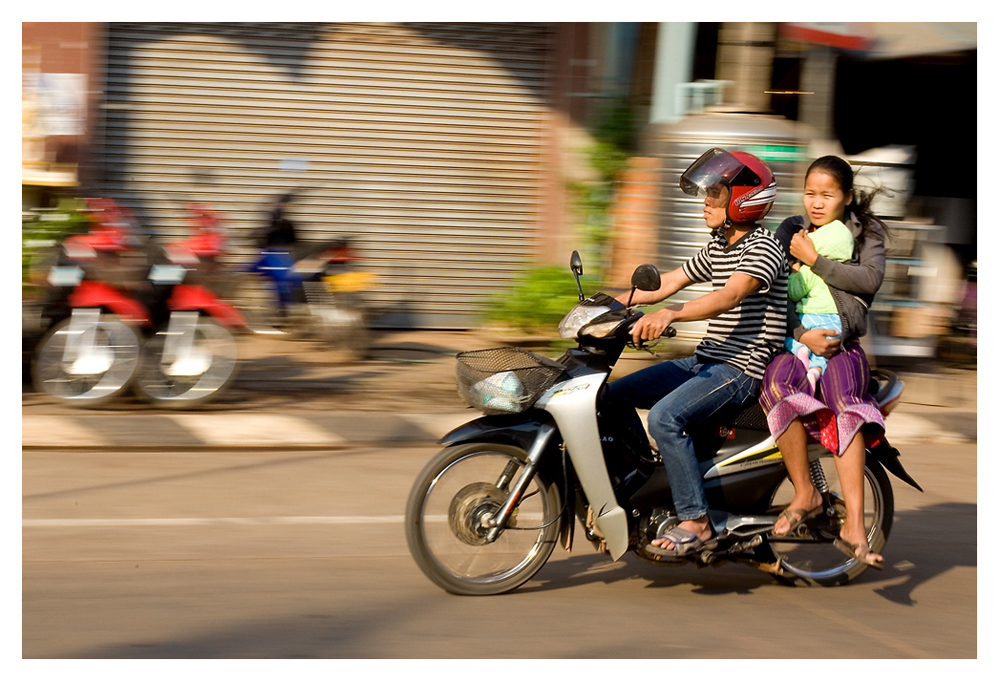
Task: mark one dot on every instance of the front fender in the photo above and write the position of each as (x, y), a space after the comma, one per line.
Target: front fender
(513, 429)
(521, 430)
(102, 295)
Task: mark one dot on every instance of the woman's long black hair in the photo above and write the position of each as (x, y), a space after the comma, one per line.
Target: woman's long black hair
(861, 204)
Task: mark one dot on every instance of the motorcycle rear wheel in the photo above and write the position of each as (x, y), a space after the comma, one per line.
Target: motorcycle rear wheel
(339, 321)
(816, 562)
(447, 513)
(155, 383)
(96, 374)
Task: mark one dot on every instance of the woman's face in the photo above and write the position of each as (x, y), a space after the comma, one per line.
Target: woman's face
(715, 206)
(824, 199)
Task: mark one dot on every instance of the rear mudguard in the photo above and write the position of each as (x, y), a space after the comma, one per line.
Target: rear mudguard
(102, 295)
(888, 457)
(193, 297)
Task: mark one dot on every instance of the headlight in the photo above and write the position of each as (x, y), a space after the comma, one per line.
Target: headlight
(579, 316)
(600, 329)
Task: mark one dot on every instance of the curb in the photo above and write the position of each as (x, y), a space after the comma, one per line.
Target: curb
(264, 430)
(260, 430)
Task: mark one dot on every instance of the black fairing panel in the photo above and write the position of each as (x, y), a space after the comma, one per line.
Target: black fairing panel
(743, 492)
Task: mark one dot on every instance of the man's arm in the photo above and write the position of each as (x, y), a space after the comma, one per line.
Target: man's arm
(737, 287)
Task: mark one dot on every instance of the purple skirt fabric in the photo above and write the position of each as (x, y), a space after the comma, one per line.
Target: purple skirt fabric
(841, 404)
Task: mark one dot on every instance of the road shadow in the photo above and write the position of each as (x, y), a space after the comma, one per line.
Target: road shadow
(911, 561)
(924, 544)
(588, 569)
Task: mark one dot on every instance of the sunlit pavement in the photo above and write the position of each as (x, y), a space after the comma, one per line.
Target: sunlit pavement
(294, 395)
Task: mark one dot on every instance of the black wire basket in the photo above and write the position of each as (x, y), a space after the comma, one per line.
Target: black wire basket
(504, 380)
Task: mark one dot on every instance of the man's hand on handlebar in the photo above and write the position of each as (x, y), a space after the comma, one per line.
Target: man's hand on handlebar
(652, 326)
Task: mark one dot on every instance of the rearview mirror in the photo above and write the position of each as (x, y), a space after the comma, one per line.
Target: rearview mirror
(576, 265)
(646, 277)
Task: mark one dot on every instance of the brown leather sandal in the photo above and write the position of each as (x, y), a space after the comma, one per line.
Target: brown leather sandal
(858, 552)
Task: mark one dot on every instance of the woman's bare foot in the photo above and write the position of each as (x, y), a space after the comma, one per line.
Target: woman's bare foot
(859, 539)
(802, 504)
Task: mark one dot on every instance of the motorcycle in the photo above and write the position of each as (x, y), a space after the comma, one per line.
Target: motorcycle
(122, 317)
(487, 511)
(192, 357)
(90, 351)
(316, 290)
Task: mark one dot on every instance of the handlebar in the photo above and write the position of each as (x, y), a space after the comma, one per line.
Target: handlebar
(668, 333)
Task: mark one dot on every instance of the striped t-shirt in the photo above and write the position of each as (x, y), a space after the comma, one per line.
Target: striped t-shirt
(751, 334)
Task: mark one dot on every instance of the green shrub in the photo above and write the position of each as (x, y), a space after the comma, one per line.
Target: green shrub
(538, 299)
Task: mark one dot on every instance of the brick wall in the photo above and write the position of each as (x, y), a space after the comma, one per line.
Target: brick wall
(634, 220)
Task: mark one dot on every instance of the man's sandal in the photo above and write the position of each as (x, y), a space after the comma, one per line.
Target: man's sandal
(684, 541)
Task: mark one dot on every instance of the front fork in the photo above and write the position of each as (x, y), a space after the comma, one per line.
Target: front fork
(499, 522)
(179, 353)
(80, 350)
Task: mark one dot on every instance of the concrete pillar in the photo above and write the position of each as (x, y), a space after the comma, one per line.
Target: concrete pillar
(819, 69)
(746, 59)
(674, 65)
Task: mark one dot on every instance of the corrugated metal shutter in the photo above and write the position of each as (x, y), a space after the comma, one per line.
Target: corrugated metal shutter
(424, 141)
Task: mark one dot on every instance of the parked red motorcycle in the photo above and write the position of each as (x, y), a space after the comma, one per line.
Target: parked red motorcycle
(129, 312)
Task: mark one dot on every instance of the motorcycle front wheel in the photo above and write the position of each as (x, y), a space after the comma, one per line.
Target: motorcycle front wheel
(196, 377)
(448, 517)
(813, 560)
(86, 365)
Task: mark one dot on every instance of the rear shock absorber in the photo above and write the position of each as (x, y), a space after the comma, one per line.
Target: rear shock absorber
(818, 477)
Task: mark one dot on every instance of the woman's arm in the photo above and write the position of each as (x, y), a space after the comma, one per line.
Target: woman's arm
(862, 278)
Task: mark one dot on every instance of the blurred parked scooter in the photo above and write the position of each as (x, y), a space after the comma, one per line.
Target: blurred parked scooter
(312, 289)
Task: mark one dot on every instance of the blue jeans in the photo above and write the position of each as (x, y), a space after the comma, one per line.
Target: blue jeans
(678, 393)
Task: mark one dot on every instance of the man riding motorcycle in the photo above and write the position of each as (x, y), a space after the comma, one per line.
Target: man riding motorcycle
(746, 308)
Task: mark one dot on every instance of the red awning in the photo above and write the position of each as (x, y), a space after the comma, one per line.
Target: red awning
(887, 40)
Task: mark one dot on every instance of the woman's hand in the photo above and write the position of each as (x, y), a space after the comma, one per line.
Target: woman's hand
(801, 247)
(816, 341)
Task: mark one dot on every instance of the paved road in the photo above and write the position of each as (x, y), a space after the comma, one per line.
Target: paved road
(287, 554)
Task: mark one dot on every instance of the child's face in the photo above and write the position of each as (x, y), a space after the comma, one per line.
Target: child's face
(824, 199)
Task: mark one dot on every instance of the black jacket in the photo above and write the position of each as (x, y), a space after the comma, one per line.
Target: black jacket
(853, 284)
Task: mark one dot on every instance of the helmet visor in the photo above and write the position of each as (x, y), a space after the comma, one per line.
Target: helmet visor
(714, 170)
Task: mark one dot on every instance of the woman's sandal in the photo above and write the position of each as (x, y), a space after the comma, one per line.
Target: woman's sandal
(796, 517)
(859, 552)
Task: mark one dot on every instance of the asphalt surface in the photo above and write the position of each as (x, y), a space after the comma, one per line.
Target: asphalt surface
(293, 393)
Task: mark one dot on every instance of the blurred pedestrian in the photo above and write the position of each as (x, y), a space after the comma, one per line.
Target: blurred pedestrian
(281, 231)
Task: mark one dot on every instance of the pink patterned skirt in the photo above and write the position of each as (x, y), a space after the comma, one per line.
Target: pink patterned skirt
(842, 403)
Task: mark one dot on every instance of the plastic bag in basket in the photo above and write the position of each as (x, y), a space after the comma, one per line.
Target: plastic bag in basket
(502, 392)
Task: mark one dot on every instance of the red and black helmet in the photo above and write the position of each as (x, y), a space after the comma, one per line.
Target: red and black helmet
(751, 183)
